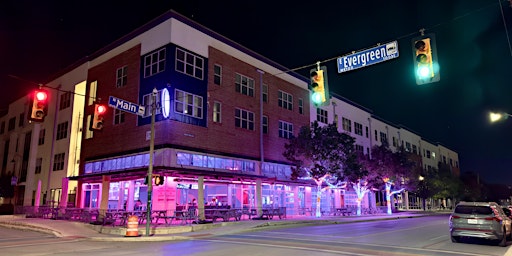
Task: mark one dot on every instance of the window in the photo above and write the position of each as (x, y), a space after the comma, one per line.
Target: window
(367, 132)
(58, 162)
(264, 125)
(285, 129)
(395, 141)
(21, 122)
(408, 147)
(189, 64)
(188, 104)
(39, 162)
(2, 127)
(40, 140)
(62, 130)
(428, 154)
(321, 115)
(376, 139)
(244, 119)
(12, 124)
(92, 92)
(358, 128)
(347, 124)
(65, 100)
(244, 85)
(359, 148)
(414, 149)
(217, 112)
(301, 106)
(154, 63)
(147, 102)
(217, 74)
(118, 116)
(121, 76)
(264, 93)
(285, 100)
(383, 138)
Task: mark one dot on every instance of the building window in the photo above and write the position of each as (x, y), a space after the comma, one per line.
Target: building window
(188, 104)
(414, 149)
(384, 138)
(217, 74)
(244, 119)
(376, 138)
(427, 154)
(65, 100)
(244, 85)
(358, 128)
(359, 148)
(367, 132)
(118, 116)
(62, 130)
(122, 76)
(321, 115)
(12, 124)
(301, 106)
(285, 100)
(148, 104)
(22, 120)
(93, 87)
(40, 140)
(154, 63)
(2, 127)
(395, 141)
(39, 162)
(408, 147)
(347, 124)
(285, 129)
(189, 64)
(264, 125)
(264, 92)
(58, 162)
(217, 108)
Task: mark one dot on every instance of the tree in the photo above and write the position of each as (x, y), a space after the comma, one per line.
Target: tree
(322, 154)
(391, 170)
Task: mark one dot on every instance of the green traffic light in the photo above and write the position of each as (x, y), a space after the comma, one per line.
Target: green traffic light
(317, 98)
(424, 72)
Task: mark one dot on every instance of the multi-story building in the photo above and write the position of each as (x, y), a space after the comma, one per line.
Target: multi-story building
(222, 115)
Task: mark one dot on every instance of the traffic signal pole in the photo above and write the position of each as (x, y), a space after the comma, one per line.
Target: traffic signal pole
(150, 165)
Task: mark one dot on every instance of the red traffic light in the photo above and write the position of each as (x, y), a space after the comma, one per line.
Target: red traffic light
(101, 109)
(41, 95)
(38, 106)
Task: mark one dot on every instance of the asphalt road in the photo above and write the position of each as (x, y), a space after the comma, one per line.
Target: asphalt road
(410, 236)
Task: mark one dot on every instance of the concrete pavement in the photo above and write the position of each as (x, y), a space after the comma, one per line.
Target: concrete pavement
(65, 228)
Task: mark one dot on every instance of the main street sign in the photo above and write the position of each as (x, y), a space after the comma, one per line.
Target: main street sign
(368, 57)
(126, 106)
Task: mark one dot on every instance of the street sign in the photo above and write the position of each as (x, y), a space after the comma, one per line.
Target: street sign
(368, 57)
(126, 106)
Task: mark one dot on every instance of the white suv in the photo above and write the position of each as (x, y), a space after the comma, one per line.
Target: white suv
(480, 219)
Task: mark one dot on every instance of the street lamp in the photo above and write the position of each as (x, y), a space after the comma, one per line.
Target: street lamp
(497, 116)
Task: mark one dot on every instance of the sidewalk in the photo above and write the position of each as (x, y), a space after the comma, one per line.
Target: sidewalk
(64, 228)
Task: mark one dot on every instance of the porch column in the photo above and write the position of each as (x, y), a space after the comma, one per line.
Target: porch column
(259, 206)
(105, 187)
(64, 195)
(200, 197)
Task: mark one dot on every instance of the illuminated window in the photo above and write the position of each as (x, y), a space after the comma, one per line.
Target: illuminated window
(285, 100)
(285, 129)
(244, 85)
(188, 104)
(93, 86)
(347, 124)
(321, 115)
(154, 63)
(189, 64)
(217, 112)
(244, 119)
(122, 76)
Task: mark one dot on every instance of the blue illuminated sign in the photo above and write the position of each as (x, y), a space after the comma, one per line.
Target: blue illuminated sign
(368, 57)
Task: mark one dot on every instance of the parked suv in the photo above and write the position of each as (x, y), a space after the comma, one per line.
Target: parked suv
(480, 219)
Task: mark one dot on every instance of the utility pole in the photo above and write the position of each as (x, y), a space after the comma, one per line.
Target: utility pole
(150, 165)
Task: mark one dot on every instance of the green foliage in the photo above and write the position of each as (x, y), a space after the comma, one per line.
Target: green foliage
(321, 150)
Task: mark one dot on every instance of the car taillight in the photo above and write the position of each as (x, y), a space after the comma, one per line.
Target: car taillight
(495, 218)
(454, 217)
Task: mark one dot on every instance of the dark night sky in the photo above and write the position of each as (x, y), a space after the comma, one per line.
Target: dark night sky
(40, 37)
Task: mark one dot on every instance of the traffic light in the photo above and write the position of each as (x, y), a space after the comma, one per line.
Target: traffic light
(320, 96)
(159, 180)
(39, 106)
(426, 67)
(98, 116)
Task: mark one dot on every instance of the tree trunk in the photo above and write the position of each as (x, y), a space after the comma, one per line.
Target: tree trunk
(318, 201)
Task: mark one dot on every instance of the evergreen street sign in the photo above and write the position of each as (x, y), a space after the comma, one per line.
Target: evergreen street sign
(368, 57)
